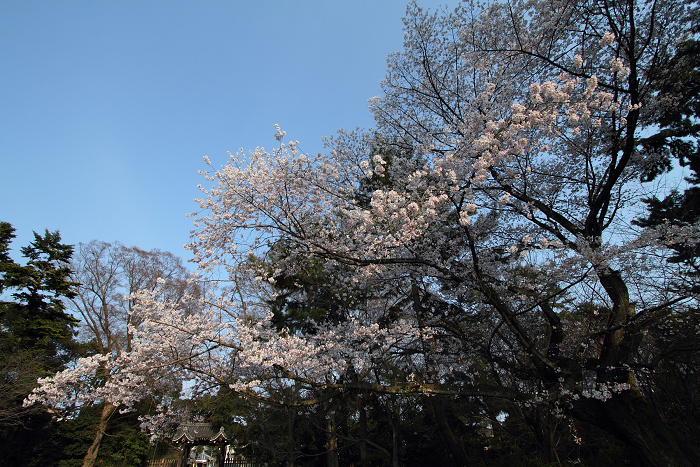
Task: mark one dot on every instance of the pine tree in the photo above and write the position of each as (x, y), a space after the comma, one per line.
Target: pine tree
(36, 336)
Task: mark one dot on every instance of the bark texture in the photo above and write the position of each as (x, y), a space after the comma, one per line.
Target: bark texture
(459, 455)
(91, 455)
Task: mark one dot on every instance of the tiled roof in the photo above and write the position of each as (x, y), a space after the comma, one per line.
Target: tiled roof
(199, 433)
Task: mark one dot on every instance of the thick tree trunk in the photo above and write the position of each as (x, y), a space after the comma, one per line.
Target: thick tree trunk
(617, 348)
(628, 415)
(91, 455)
(630, 418)
(459, 455)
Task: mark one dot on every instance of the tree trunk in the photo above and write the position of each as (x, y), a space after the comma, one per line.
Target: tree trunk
(91, 455)
(394, 445)
(291, 445)
(393, 419)
(459, 455)
(617, 348)
(332, 444)
(363, 432)
(544, 428)
(629, 417)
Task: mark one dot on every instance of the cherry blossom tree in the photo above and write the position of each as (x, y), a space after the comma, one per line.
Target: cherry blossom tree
(488, 224)
(107, 274)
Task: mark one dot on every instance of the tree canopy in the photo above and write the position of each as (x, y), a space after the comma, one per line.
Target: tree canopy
(478, 246)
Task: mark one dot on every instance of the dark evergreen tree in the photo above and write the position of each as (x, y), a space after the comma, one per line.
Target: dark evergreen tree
(678, 85)
(37, 317)
(36, 337)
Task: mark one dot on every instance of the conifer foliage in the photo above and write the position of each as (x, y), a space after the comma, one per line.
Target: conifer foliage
(36, 335)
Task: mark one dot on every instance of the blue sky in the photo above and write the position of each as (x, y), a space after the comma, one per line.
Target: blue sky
(107, 107)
